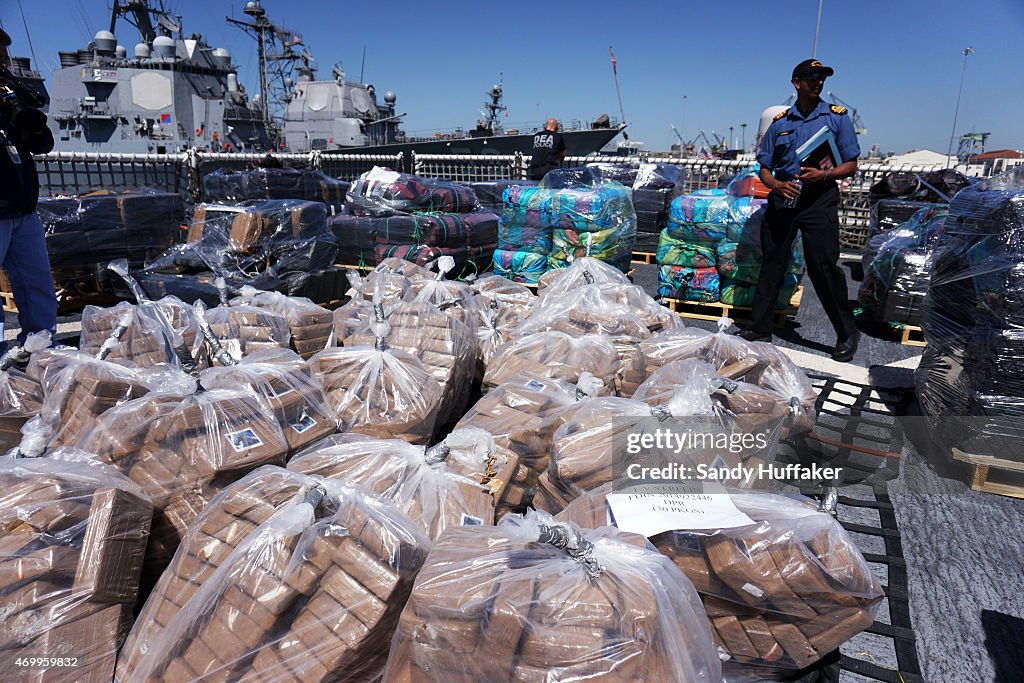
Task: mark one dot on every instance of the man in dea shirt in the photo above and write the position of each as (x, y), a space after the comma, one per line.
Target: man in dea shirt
(548, 150)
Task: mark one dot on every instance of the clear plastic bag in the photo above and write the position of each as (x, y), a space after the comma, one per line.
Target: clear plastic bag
(182, 447)
(243, 330)
(380, 192)
(556, 355)
(582, 271)
(284, 576)
(147, 339)
(496, 325)
(418, 481)
(513, 296)
(780, 593)
(380, 391)
(532, 600)
(310, 326)
(71, 548)
(288, 385)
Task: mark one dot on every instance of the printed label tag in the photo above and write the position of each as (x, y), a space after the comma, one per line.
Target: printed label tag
(302, 424)
(651, 513)
(244, 439)
(469, 520)
(535, 385)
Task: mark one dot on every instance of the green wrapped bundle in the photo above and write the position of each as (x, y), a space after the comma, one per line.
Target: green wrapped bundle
(609, 245)
(738, 293)
(677, 252)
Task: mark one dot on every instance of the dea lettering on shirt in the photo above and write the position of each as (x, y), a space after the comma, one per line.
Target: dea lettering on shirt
(544, 140)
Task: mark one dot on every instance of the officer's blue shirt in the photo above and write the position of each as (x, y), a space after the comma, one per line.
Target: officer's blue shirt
(786, 134)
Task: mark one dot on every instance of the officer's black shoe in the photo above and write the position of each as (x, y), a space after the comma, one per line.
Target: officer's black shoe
(847, 348)
(754, 336)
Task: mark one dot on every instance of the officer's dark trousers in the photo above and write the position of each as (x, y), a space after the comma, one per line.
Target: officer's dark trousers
(816, 217)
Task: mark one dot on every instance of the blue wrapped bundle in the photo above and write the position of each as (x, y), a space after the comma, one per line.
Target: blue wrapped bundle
(673, 252)
(520, 266)
(702, 206)
(584, 209)
(689, 284)
(525, 223)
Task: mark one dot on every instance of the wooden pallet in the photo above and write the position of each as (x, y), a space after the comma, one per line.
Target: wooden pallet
(66, 303)
(912, 335)
(1011, 473)
(644, 258)
(714, 310)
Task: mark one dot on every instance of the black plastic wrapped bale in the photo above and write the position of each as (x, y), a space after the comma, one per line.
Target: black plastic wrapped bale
(899, 194)
(489, 192)
(971, 378)
(225, 185)
(896, 278)
(84, 231)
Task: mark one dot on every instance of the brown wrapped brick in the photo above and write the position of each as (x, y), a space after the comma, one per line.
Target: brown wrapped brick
(781, 593)
(84, 391)
(556, 355)
(498, 604)
(290, 600)
(311, 326)
(145, 341)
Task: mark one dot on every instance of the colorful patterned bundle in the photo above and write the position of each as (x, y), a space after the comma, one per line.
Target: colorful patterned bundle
(606, 245)
(702, 206)
(520, 266)
(739, 293)
(689, 284)
(526, 221)
(679, 253)
(380, 192)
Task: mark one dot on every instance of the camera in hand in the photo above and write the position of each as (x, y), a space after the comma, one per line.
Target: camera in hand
(20, 105)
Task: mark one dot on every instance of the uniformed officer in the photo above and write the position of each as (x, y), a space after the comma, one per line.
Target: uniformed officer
(815, 213)
(548, 150)
(23, 132)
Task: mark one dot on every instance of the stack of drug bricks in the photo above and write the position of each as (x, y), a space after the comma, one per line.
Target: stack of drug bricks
(182, 450)
(84, 232)
(571, 214)
(780, 594)
(228, 186)
(72, 537)
(431, 487)
(417, 219)
(21, 398)
(276, 244)
(283, 576)
(710, 250)
(507, 604)
(310, 327)
(245, 329)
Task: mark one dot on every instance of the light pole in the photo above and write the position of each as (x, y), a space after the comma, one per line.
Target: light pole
(817, 27)
(731, 143)
(682, 123)
(949, 153)
(743, 127)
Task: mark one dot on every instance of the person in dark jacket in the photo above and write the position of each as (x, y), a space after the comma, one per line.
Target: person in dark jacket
(23, 132)
(548, 150)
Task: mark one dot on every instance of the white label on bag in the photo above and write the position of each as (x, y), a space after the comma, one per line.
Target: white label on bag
(652, 510)
(753, 590)
(379, 175)
(302, 424)
(535, 385)
(244, 439)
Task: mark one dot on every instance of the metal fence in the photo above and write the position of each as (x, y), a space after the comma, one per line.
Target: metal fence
(62, 173)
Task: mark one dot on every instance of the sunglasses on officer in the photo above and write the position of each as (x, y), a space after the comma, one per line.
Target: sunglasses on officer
(813, 78)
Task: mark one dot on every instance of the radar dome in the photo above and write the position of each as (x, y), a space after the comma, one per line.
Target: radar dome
(163, 47)
(120, 52)
(766, 119)
(105, 42)
(142, 51)
(221, 57)
(390, 97)
(250, 5)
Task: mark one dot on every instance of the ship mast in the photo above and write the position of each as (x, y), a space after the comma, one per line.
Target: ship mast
(493, 108)
(262, 30)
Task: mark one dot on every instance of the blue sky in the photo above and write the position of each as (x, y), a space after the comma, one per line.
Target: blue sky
(898, 62)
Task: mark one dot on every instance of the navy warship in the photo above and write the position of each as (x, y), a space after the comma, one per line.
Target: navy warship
(174, 92)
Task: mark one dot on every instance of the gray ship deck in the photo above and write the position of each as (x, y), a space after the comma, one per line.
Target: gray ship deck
(951, 559)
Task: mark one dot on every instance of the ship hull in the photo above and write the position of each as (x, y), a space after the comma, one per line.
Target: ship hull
(577, 143)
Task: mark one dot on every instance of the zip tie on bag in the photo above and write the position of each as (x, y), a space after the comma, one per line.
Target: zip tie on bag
(380, 328)
(222, 290)
(566, 538)
(437, 453)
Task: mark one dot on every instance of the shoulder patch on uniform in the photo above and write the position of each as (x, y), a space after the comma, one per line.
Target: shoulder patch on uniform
(785, 132)
(836, 109)
(781, 114)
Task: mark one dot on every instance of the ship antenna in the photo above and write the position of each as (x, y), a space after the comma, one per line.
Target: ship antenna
(615, 72)
(362, 66)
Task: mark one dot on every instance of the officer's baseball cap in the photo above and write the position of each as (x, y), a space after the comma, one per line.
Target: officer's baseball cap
(811, 67)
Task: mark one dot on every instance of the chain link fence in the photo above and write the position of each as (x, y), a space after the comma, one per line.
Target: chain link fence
(63, 173)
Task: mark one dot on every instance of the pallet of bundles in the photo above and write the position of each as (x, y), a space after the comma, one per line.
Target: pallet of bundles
(597, 221)
(757, 363)
(241, 228)
(182, 448)
(227, 185)
(445, 346)
(71, 547)
(781, 593)
(556, 355)
(105, 226)
(510, 603)
(287, 384)
(424, 483)
(311, 327)
(379, 391)
(489, 193)
(381, 192)
(283, 576)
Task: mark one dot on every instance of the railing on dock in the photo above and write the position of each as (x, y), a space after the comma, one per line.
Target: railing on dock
(62, 173)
